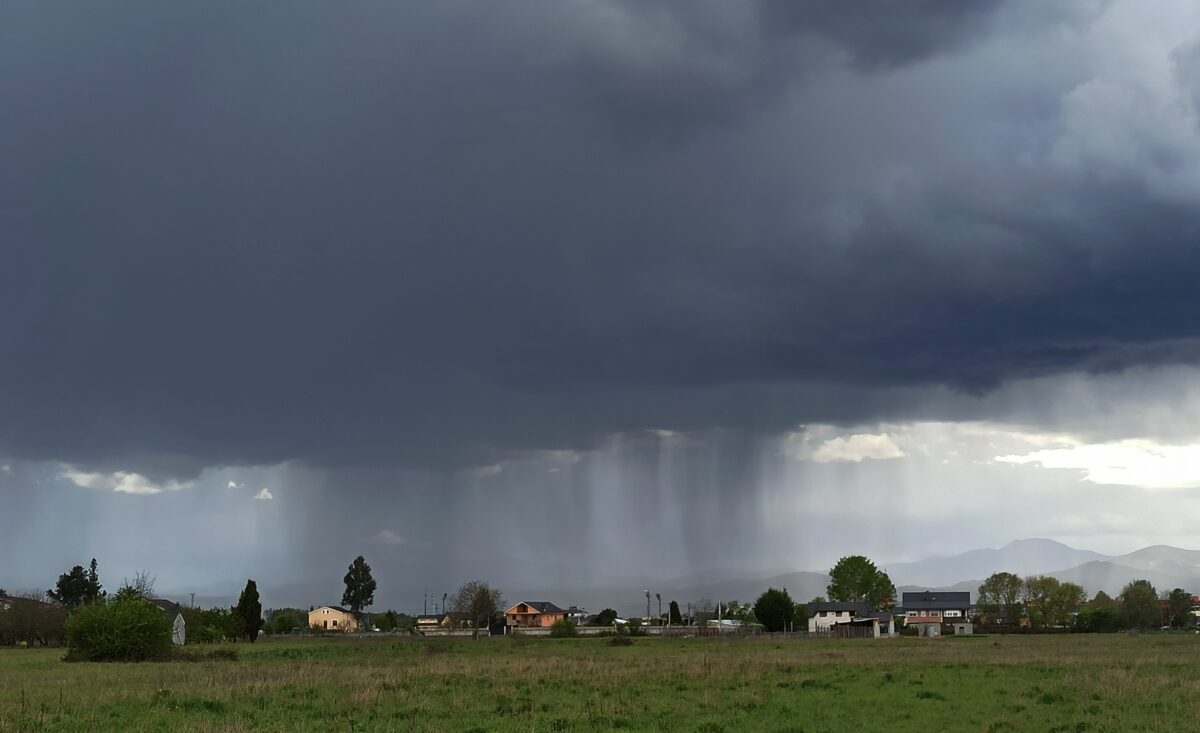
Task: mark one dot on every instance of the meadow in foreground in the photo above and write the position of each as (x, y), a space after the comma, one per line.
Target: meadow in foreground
(996, 683)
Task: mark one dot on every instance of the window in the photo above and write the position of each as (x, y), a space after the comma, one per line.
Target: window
(912, 613)
(335, 623)
(935, 614)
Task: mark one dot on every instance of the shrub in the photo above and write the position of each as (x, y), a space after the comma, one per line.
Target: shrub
(128, 630)
(562, 629)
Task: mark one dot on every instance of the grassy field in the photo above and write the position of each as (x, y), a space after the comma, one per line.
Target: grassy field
(1007, 683)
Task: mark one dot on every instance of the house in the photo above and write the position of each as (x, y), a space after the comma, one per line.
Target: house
(928, 610)
(533, 614)
(332, 618)
(576, 615)
(174, 613)
(849, 619)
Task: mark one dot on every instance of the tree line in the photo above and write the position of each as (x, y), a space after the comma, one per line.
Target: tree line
(1044, 603)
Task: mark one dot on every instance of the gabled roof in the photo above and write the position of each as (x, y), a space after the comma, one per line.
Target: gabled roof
(858, 609)
(333, 608)
(166, 605)
(936, 600)
(539, 606)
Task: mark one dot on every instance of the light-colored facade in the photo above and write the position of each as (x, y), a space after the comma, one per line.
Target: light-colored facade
(332, 618)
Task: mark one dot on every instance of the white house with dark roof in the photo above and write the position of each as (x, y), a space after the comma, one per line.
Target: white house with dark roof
(174, 613)
(849, 619)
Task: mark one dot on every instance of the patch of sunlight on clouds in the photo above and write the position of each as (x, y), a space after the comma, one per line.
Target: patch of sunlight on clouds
(1134, 462)
(123, 482)
(853, 448)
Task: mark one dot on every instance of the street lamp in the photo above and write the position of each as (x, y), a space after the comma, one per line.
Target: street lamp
(659, 597)
(647, 592)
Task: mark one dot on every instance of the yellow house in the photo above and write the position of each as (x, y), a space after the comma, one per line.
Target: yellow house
(332, 618)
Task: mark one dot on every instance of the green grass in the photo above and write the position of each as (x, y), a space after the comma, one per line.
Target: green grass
(1045, 683)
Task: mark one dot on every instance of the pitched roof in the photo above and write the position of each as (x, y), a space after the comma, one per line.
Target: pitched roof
(539, 606)
(333, 608)
(936, 600)
(166, 605)
(858, 609)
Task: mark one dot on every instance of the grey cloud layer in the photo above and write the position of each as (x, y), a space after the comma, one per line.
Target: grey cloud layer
(417, 232)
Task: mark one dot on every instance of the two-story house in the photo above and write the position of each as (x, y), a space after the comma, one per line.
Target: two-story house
(930, 610)
(533, 613)
(332, 618)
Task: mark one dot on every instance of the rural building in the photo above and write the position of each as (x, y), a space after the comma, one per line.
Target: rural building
(533, 614)
(849, 619)
(332, 618)
(929, 610)
(174, 614)
(822, 616)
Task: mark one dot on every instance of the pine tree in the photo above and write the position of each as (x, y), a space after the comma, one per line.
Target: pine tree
(360, 586)
(248, 612)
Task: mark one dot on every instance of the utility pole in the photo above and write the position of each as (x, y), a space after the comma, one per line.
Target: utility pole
(659, 597)
(647, 604)
(426, 612)
(193, 600)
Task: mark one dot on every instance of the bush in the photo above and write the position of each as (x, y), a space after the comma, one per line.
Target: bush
(562, 629)
(128, 630)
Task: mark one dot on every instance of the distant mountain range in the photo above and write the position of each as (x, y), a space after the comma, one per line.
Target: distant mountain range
(1166, 567)
(1023, 557)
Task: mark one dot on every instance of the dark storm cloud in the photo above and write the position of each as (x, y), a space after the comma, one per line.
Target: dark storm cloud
(881, 33)
(245, 233)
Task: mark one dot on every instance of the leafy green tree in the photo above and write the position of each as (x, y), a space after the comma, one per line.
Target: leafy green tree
(71, 588)
(1102, 600)
(1179, 608)
(129, 630)
(480, 602)
(247, 613)
(855, 579)
(1139, 605)
(563, 628)
(285, 620)
(1000, 596)
(1099, 616)
(360, 586)
(1049, 602)
(606, 617)
(212, 625)
(675, 618)
(78, 587)
(775, 610)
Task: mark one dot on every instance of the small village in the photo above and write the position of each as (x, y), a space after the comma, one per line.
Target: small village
(862, 603)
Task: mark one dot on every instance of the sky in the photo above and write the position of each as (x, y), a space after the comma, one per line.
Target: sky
(568, 293)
